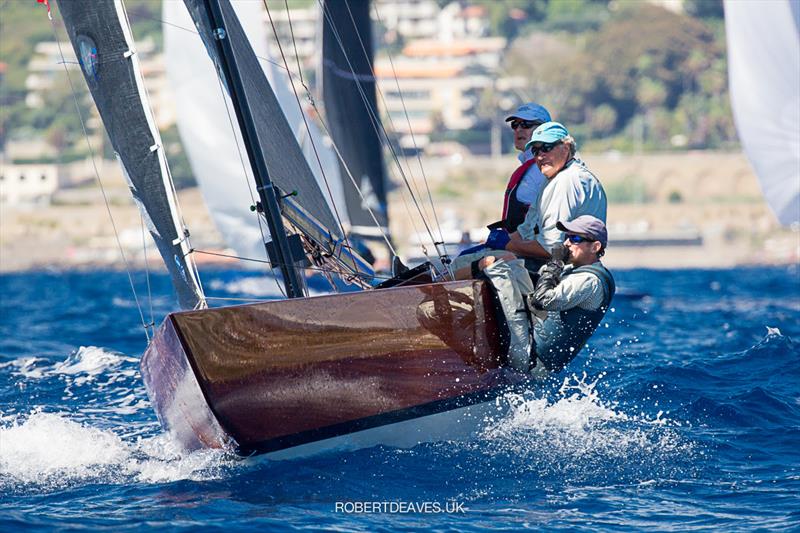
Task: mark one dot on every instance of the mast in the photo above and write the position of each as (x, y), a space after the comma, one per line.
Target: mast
(279, 254)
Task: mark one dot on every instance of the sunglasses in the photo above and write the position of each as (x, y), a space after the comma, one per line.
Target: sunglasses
(525, 124)
(546, 147)
(577, 239)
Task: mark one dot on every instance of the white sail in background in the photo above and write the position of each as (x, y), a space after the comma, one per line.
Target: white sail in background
(764, 70)
(222, 172)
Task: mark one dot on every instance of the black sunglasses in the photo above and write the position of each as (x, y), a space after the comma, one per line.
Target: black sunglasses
(546, 147)
(526, 124)
(577, 239)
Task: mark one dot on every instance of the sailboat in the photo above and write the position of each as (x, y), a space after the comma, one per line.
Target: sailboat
(406, 361)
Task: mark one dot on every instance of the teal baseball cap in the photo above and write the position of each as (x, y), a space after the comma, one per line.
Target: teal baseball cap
(549, 132)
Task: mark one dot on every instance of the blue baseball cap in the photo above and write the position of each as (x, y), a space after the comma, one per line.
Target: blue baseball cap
(549, 132)
(531, 111)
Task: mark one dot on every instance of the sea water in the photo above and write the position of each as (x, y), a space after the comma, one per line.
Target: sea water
(682, 413)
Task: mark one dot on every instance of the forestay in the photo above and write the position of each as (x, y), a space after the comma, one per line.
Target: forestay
(103, 43)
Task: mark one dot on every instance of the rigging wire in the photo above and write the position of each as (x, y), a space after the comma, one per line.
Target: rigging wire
(444, 256)
(246, 179)
(100, 182)
(339, 155)
(377, 124)
(147, 270)
(305, 120)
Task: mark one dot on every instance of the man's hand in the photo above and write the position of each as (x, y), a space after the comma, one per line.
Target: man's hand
(560, 253)
(498, 239)
(549, 277)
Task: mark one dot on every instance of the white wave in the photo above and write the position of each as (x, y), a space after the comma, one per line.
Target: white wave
(26, 367)
(577, 424)
(50, 450)
(90, 361)
(82, 366)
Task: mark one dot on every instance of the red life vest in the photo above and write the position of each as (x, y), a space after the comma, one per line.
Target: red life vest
(514, 210)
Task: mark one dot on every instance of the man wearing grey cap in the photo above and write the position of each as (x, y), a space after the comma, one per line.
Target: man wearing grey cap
(575, 296)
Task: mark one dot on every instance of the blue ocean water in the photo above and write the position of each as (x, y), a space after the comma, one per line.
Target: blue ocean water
(683, 413)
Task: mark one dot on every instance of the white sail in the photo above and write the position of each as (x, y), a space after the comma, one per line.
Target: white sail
(764, 71)
(207, 128)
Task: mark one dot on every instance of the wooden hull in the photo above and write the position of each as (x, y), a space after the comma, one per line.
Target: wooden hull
(279, 375)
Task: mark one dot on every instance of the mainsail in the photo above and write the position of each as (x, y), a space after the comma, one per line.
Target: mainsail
(213, 144)
(348, 90)
(101, 36)
(763, 60)
(287, 166)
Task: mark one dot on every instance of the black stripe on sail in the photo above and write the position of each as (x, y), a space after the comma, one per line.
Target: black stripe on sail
(348, 90)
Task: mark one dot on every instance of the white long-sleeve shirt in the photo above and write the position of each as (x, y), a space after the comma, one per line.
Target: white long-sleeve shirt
(573, 192)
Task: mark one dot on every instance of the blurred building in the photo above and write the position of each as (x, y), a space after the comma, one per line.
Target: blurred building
(33, 183)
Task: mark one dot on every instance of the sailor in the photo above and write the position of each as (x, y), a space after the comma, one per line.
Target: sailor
(527, 180)
(566, 305)
(571, 191)
(575, 296)
(524, 185)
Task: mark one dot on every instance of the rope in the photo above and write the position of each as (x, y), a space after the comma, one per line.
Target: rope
(253, 260)
(100, 182)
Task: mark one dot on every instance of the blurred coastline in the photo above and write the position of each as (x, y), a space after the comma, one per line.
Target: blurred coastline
(669, 211)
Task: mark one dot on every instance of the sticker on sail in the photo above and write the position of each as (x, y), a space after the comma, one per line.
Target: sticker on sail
(87, 56)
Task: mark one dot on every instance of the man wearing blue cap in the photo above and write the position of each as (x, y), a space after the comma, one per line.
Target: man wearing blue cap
(522, 190)
(527, 180)
(571, 191)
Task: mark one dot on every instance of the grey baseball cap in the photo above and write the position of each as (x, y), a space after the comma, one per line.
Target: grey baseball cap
(586, 226)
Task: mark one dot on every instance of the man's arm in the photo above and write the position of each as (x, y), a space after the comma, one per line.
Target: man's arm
(520, 246)
(568, 293)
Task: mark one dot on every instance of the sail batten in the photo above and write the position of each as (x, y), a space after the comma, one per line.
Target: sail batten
(101, 37)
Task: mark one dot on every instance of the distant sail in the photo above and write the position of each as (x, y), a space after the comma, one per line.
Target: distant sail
(348, 90)
(288, 168)
(203, 122)
(763, 62)
(102, 40)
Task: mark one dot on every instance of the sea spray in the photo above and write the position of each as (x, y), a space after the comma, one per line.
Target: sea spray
(50, 451)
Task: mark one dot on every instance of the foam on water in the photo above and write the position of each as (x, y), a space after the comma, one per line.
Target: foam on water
(577, 430)
(51, 450)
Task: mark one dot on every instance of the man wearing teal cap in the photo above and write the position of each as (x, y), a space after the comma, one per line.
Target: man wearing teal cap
(571, 191)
